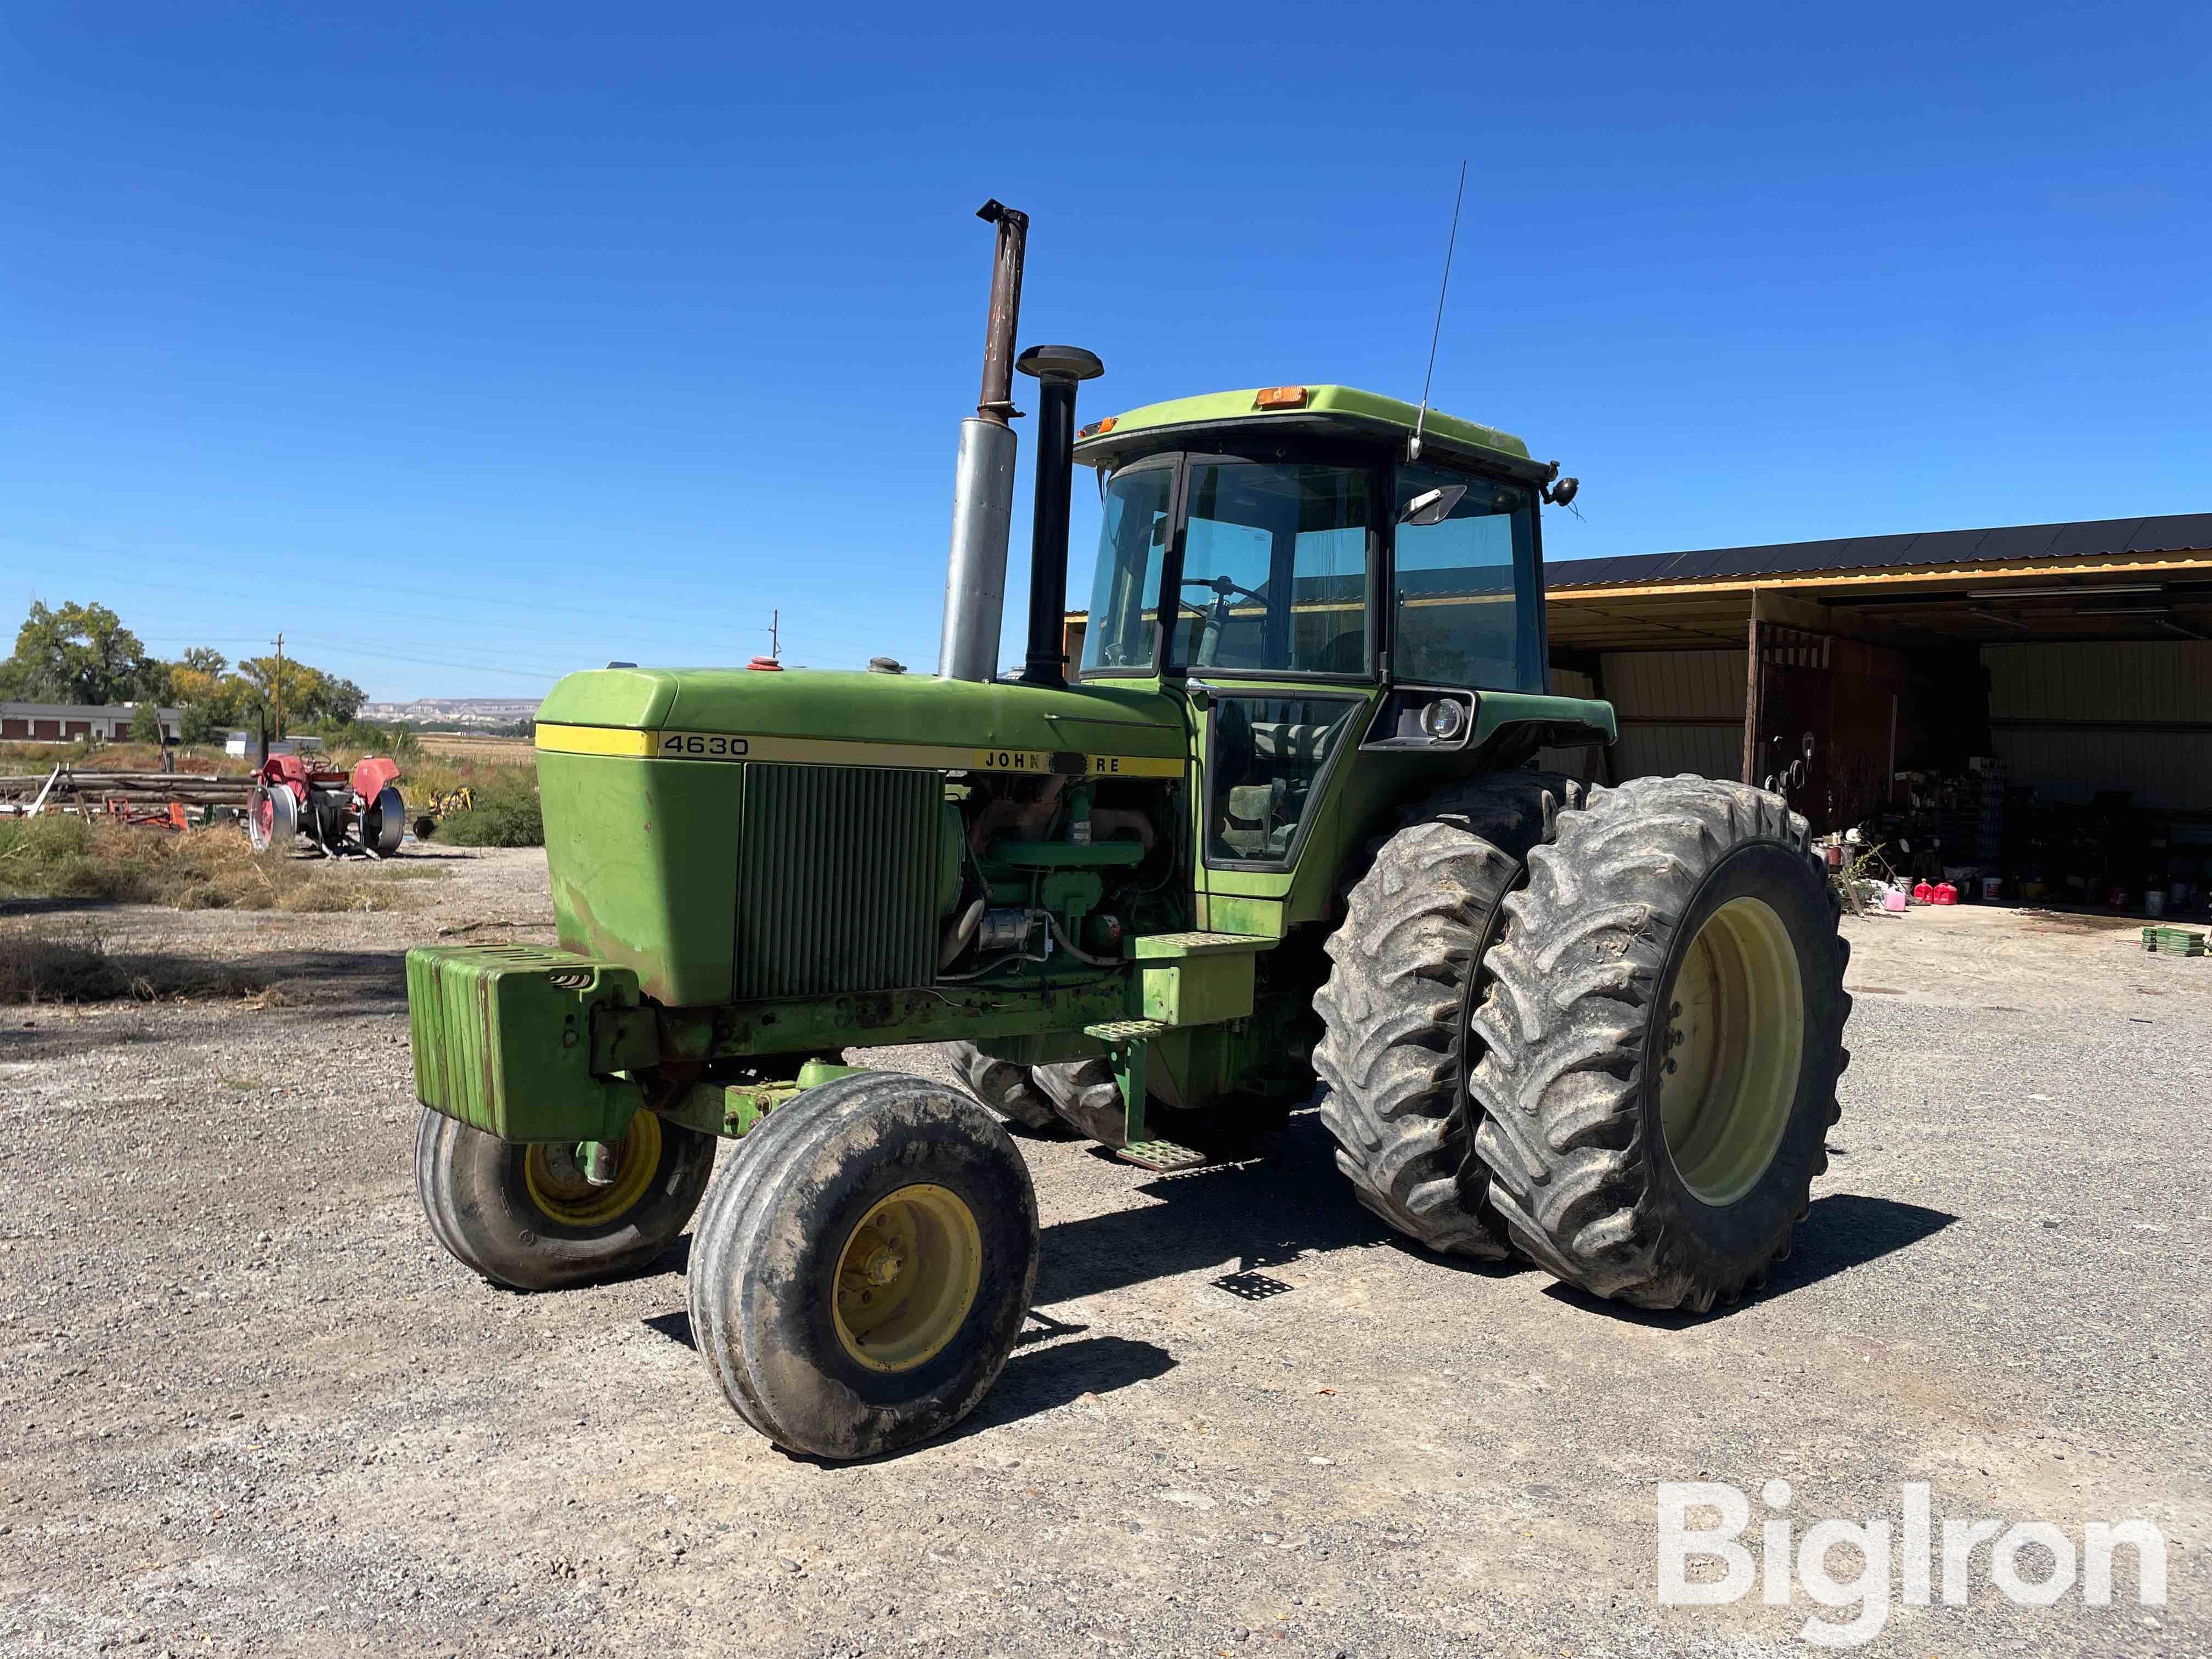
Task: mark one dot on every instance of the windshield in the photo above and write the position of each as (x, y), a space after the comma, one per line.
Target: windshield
(1125, 595)
(1275, 568)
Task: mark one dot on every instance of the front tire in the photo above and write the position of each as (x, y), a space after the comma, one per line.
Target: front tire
(522, 1215)
(859, 1275)
(1662, 1036)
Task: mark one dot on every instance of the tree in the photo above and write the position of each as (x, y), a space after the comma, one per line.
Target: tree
(146, 723)
(81, 653)
(310, 695)
(201, 723)
(342, 699)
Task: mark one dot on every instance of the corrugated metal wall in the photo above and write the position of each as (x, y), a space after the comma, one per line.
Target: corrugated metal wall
(2075, 719)
(1680, 711)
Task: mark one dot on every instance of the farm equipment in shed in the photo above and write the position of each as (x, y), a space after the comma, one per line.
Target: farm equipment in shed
(1285, 830)
(339, 814)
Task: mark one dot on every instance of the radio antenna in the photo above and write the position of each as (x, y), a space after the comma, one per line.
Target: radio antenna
(1414, 449)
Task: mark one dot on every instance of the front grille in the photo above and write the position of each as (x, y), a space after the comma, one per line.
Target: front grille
(836, 879)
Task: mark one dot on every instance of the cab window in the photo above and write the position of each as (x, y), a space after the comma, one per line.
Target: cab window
(1464, 582)
(1274, 569)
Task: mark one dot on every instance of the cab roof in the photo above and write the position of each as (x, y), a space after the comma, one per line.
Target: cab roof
(1339, 410)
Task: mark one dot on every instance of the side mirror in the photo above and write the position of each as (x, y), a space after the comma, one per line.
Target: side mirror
(1432, 506)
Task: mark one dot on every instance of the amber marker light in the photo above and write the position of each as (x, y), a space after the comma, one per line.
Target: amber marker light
(1281, 396)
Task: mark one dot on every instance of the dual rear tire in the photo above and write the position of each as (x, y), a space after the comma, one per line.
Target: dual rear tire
(1601, 1032)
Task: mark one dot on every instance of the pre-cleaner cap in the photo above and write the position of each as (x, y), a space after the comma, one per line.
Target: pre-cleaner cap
(1060, 362)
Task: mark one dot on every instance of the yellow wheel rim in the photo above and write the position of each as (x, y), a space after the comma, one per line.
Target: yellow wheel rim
(1735, 1045)
(906, 1277)
(553, 1176)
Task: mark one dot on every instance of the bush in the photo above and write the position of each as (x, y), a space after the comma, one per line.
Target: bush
(506, 815)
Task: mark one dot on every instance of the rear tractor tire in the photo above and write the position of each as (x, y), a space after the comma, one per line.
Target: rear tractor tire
(1661, 1040)
(524, 1215)
(1407, 971)
(860, 1274)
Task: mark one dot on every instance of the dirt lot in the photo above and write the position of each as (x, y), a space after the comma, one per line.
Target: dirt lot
(247, 1406)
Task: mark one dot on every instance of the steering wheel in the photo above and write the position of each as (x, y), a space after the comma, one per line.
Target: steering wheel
(1223, 587)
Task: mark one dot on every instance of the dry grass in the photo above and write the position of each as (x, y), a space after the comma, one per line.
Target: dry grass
(52, 856)
(471, 745)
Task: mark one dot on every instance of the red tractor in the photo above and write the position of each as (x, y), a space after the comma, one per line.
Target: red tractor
(341, 814)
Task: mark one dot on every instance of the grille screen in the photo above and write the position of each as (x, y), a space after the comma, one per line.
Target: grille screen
(836, 880)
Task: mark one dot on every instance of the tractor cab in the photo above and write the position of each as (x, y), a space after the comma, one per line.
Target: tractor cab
(1317, 570)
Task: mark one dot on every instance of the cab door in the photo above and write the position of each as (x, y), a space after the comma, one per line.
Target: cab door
(1275, 634)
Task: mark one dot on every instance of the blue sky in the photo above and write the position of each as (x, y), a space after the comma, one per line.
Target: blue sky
(472, 343)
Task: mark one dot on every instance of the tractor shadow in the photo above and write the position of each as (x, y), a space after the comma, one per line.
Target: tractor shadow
(1034, 1382)
(1842, 1231)
(1267, 1212)
(326, 984)
(1286, 1202)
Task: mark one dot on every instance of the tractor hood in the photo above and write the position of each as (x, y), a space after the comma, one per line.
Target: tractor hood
(827, 718)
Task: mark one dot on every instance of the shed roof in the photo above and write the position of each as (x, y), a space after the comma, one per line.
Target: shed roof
(2174, 532)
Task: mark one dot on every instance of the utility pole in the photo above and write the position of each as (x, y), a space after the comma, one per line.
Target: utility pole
(277, 685)
(776, 635)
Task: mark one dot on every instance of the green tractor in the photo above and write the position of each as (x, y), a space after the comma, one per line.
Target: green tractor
(1284, 835)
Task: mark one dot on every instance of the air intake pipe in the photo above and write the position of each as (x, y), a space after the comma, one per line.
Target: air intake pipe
(983, 477)
(1058, 369)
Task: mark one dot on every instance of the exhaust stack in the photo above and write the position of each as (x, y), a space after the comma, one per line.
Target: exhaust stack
(1058, 369)
(983, 475)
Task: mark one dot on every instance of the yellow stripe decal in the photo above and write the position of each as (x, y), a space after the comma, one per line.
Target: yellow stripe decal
(594, 740)
(822, 752)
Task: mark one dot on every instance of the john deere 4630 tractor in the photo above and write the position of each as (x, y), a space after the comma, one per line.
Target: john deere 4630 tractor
(1281, 836)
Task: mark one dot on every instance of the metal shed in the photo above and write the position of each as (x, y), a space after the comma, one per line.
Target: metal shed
(2067, 665)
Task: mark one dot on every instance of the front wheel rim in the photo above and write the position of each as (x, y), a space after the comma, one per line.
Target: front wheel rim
(907, 1277)
(1734, 1046)
(554, 1178)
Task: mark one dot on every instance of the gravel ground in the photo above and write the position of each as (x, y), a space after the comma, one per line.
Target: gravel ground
(247, 1406)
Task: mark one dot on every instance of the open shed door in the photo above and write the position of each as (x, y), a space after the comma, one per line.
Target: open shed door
(1822, 720)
